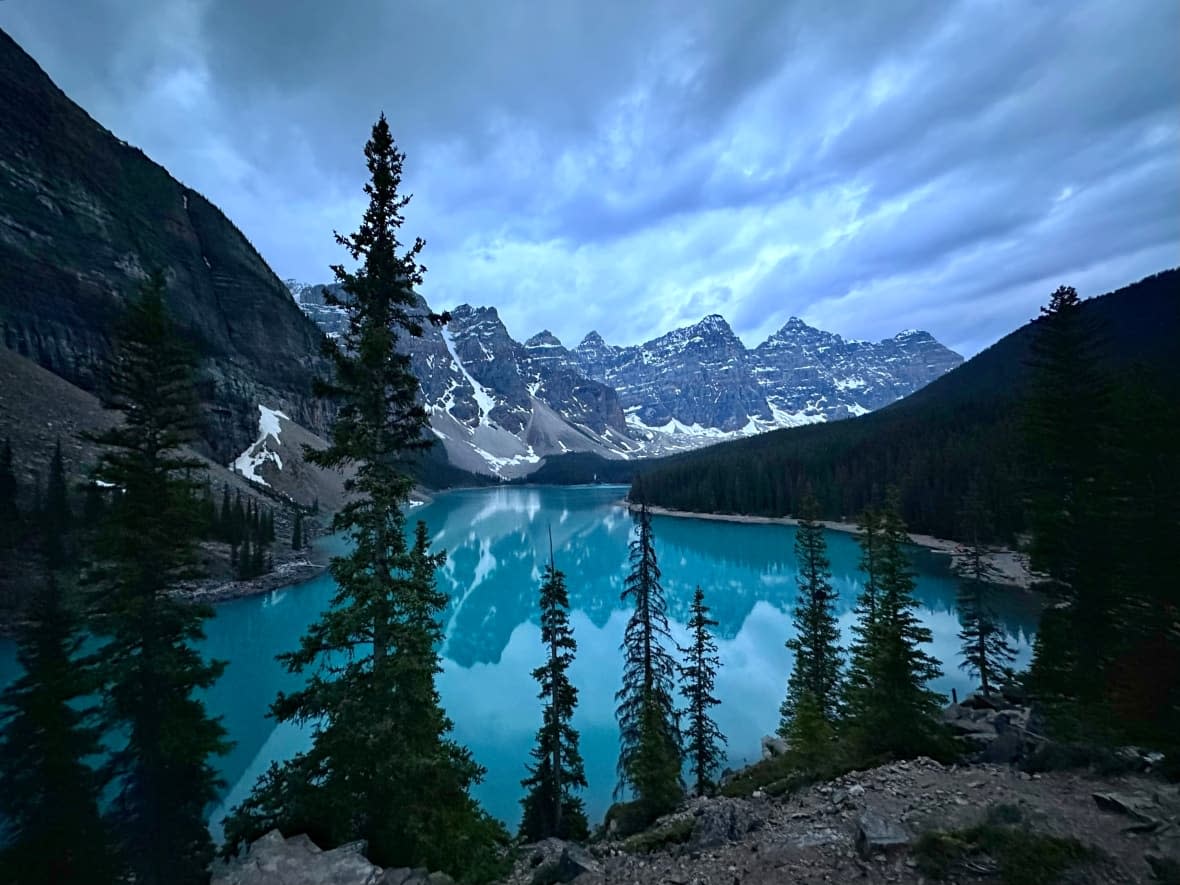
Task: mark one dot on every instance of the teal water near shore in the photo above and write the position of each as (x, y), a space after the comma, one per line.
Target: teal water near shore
(497, 542)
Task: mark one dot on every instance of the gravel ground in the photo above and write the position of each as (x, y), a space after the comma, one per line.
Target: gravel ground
(811, 837)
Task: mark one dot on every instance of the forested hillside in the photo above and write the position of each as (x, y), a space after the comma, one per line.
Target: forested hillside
(964, 428)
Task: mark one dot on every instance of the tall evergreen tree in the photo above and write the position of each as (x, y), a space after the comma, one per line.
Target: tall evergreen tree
(9, 512)
(891, 709)
(93, 506)
(703, 738)
(225, 516)
(550, 805)
(856, 682)
(49, 795)
(811, 708)
(649, 736)
(297, 530)
(56, 517)
(150, 666)
(987, 654)
(8, 505)
(1068, 431)
(382, 765)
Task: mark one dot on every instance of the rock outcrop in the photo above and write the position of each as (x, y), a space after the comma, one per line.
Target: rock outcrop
(273, 860)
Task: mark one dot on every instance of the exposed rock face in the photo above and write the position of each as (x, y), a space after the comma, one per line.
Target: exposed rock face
(273, 860)
(84, 217)
(702, 375)
(699, 376)
(814, 374)
(497, 406)
(500, 406)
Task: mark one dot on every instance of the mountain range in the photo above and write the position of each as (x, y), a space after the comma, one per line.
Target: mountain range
(84, 217)
(501, 406)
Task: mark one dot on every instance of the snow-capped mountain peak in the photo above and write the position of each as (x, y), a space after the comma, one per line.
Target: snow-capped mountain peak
(499, 406)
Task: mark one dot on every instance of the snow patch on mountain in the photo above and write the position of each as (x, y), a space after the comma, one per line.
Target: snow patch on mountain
(484, 400)
(259, 452)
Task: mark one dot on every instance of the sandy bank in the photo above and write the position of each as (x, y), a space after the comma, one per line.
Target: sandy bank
(1011, 565)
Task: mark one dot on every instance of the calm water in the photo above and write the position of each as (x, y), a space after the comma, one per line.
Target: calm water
(497, 541)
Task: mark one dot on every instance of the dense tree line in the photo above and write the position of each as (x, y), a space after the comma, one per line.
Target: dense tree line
(966, 430)
(57, 521)
(1104, 475)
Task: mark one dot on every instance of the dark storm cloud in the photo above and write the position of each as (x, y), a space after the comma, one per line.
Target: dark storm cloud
(628, 167)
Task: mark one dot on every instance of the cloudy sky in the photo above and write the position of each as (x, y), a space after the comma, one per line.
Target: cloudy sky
(631, 167)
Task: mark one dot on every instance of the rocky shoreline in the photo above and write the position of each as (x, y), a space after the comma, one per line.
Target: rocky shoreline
(292, 571)
(1012, 566)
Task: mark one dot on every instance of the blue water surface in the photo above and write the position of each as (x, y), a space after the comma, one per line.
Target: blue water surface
(497, 541)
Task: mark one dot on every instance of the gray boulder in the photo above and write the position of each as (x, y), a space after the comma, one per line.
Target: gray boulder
(273, 860)
(876, 835)
(773, 746)
(553, 866)
(721, 821)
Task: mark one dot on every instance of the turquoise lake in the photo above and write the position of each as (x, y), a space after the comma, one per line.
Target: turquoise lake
(497, 542)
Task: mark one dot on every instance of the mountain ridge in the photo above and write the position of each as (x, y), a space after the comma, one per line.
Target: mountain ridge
(962, 428)
(502, 406)
(84, 216)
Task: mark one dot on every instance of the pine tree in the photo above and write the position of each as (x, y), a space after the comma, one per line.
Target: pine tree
(891, 710)
(297, 531)
(238, 520)
(150, 667)
(9, 511)
(382, 766)
(856, 683)
(225, 516)
(56, 517)
(550, 807)
(987, 653)
(649, 737)
(49, 796)
(815, 677)
(93, 506)
(1072, 504)
(702, 736)
(245, 560)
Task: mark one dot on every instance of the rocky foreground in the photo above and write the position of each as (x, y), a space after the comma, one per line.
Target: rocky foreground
(866, 826)
(863, 827)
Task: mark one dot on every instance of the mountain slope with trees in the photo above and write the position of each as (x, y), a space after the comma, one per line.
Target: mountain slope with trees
(85, 217)
(964, 428)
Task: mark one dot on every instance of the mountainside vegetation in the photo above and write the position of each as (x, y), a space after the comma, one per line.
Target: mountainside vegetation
(964, 429)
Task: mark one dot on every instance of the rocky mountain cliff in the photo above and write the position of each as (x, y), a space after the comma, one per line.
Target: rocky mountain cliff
(701, 379)
(500, 406)
(84, 217)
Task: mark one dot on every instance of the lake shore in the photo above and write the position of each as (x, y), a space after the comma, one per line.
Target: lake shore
(1012, 566)
(291, 571)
